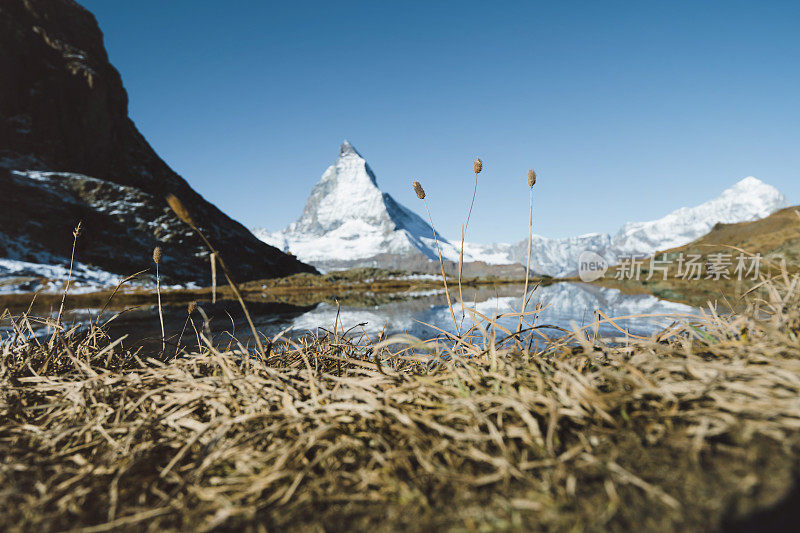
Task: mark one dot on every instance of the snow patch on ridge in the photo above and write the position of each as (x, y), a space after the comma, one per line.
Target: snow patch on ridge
(23, 276)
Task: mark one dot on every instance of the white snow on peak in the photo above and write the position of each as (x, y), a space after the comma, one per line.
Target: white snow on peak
(347, 217)
(348, 149)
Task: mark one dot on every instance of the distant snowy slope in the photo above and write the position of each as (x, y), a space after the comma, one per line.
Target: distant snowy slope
(749, 199)
(553, 257)
(348, 218)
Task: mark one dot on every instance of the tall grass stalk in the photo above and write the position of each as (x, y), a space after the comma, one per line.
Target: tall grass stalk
(214, 278)
(189, 310)
(421, 195)
(441, 266)
(180, 210)
(531, 182)
(75, 234)
(477, 167)
(157, 259)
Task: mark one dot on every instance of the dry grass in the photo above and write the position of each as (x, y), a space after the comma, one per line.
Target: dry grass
(332, 432)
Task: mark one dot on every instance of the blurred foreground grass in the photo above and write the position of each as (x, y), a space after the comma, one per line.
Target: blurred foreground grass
(692, 428)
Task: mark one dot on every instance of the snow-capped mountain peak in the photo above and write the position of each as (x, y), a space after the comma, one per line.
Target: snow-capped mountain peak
(348, 191)
(347, 149)
(348, 218)
(751, 183)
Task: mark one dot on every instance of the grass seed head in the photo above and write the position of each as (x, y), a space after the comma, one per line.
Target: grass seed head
(478, 166)
(180, 209)
(192, 307)
(418, 189)
(531, 178)
(157, 255)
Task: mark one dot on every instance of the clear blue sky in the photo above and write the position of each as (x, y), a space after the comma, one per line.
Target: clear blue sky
(627, 110)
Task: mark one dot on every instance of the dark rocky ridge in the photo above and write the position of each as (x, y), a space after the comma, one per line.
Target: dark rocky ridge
(63, 108)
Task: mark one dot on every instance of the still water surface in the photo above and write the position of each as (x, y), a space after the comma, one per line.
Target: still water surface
(565, 305)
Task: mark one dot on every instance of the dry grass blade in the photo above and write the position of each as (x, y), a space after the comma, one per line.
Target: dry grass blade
(157, 255)
(524, 304)
(75, 234)
(477, 167)
(421, 195)
(183, 213)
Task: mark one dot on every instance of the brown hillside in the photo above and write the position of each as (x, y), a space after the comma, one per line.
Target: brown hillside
(773, 237)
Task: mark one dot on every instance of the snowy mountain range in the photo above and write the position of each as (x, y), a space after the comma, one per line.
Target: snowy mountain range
(349, 221)
(749, 199)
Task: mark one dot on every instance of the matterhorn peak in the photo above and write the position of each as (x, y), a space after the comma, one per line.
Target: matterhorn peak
(351, 171)
(348, 218)
(347, 149)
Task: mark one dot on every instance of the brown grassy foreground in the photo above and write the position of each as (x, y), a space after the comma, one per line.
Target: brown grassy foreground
(685, 430)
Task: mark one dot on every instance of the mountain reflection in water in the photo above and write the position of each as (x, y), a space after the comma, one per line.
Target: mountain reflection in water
(417, 313)
(564, 304)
